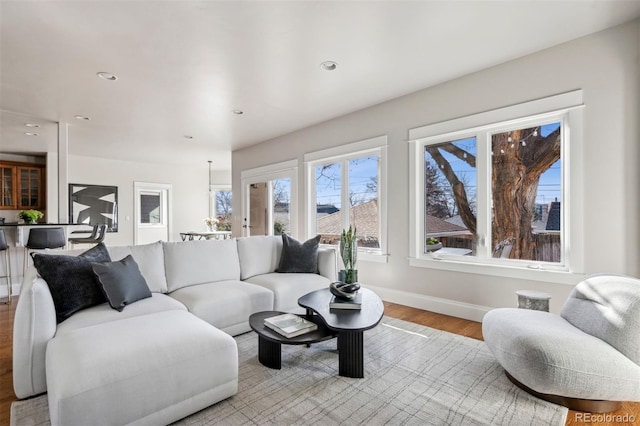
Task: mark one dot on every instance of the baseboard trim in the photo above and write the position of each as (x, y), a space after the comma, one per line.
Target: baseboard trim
(439, 305)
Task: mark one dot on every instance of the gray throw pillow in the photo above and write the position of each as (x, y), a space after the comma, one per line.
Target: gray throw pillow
(71, 280)
(122, 282)
(299, 257)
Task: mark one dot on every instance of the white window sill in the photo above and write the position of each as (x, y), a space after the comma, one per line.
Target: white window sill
(551, 276)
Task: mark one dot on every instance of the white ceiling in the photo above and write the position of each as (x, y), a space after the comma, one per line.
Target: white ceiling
(183, 66)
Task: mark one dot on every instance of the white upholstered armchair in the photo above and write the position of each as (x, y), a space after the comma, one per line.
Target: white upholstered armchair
(587, 358)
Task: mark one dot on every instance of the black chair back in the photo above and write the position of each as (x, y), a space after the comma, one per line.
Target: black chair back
(3, 241)
(97, 235)
(46, 238)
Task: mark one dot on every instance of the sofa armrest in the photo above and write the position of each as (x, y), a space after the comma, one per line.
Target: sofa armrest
(328, 262)
(34, 325)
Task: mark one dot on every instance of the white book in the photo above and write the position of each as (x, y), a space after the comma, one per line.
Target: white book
(290, 325)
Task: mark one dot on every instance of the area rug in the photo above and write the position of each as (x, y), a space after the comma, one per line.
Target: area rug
(414, 375)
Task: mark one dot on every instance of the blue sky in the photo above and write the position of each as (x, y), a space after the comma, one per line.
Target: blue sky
(328, 185)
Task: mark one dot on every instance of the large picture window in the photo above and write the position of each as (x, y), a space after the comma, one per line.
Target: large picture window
(497, 193)
(346, 188)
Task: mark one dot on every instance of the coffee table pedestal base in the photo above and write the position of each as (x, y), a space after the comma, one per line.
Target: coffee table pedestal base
(351, 354)
(269, 353)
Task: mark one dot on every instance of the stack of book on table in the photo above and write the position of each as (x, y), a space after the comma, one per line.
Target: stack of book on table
(341, 303)
(290, 325)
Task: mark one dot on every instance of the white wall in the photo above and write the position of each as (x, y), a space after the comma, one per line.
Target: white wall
(604, 65)
(190, 187)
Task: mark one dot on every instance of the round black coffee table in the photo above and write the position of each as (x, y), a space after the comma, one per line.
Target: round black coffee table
(269, 342)
(349, 324)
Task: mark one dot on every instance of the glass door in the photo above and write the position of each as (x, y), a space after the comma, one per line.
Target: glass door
(270, 202)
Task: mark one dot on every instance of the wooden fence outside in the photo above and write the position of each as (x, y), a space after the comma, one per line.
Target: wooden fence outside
(547, 247)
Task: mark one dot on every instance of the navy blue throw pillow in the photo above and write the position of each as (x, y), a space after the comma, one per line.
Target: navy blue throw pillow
(122, 282)
(299, 257)
(71, 280)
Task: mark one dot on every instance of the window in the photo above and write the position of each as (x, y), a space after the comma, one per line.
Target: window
(150, 208)
(281, 189)
(222, 208)
(346, 188)
(493, 190)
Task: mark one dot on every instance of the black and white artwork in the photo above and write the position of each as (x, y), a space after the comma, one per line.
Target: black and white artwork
(94, 205)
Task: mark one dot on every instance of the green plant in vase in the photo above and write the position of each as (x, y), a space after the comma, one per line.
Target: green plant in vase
(349, 254)
(30, 216)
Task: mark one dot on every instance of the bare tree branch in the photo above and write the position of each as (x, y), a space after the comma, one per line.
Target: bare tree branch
(459, 191)
(460, 153)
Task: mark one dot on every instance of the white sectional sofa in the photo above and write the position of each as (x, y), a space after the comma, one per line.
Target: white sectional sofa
(162, 357)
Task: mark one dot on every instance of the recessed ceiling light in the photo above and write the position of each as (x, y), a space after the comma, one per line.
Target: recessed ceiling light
(30, 134)
(329, 65)
(107, 76)
(82, 117)
(31, 125)
(237, 112)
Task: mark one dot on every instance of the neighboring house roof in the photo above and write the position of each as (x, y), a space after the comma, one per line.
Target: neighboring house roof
(363, 216)
(326, 208)
(456, 220)
(553, 221)
(436, 225)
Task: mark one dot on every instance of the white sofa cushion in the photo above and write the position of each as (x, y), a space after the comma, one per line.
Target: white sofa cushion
(226, 305)
(288, 288)
(198, 262)
(104, 313)
(151, 369)
(259, 255)
(34, 325)
(150, 260)
(328, 262)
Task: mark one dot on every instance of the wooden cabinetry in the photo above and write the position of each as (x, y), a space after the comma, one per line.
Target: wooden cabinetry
(21, 186)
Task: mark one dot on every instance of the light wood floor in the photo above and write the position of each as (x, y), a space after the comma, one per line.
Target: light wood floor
(442, 322)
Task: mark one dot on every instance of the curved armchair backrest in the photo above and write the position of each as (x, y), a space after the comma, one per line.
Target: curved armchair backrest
(608, 307)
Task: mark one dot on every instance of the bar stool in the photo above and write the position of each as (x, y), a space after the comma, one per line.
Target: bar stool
(4, 247)
(41, 239)
(97, 235)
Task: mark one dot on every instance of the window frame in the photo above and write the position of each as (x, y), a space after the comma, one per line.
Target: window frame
(566, 108)
(376, 146)
(283, 170)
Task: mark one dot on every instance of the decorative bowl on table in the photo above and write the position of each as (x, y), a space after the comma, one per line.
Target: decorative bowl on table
(344, 290)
